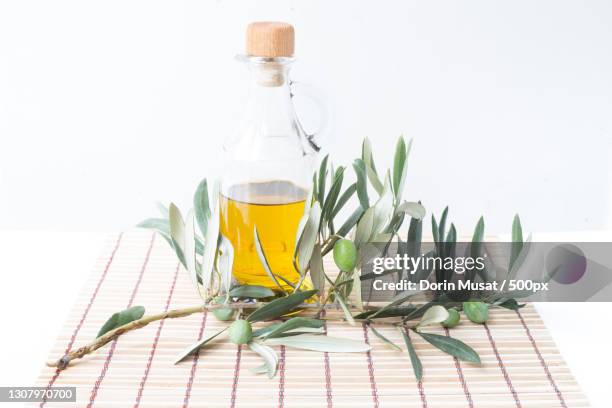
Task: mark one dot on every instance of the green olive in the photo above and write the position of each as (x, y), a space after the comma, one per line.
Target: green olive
(345, 254)
(224, 313)
(240, 332)
(477, 312)
(452, 320)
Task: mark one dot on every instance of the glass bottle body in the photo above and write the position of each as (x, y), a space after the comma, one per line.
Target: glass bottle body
(269, 164)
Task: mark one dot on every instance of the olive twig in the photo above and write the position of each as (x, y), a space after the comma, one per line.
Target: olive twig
(111, 335)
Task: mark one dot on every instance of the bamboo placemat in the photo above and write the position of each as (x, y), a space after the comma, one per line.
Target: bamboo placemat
(521, 364)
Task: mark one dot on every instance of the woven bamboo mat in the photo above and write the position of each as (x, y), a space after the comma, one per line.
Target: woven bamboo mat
(521, 365)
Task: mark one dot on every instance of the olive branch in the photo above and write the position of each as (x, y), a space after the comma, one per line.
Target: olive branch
(208, 257)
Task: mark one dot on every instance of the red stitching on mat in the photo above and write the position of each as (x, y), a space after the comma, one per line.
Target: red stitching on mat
(281, 380)
(85, 313)
(466, 391)
(370, 367)
(109, 356)
(236, 373)
(328, 386)
(502, 367)
(542, 361)
(143, 381)
(422, 394)
(194, 365)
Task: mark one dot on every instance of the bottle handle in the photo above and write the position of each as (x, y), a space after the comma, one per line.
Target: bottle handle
(317, 98)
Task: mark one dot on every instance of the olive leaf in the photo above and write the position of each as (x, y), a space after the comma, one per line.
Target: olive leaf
(368, 159)
(263, 331)
(191, 262)
(520, 258)
(262, 369)
(177, 232)
(414, 237)
(478, 235)
(300, 231)
(454, 347)
(517, 240)
(302, 224)
(162, 227)
(356, 289)
(364, 227)
(157, 224)
(309, 237)
(434, 315)
(382, 237)
(477, 238)
(371, 275)
(120, 318)
(345, 309)
(225, 262)
(281, 306)
(211, 240)
(197, 345)
(350, 222)
(510, 304)
(384, 339)
(316, 342)
(292, 324)
(417, 366)
(420, 310)
(383, 209)
(288, 282)
(476, 248)
(451, 241)
(434, 229)
(396, 300)
(264, 260)
(251, 292)
(398, 162)
(322, 178)
(332, 196)
(201, 206)
(348, 193)
(395, 311)
(400, 166)
(315, 187)
(177, 226)
(449, 248)
(414, 210)
(362, 184)
(269, 356)
(163, 210)
(515, 294)
(317, 274)
(442, 227)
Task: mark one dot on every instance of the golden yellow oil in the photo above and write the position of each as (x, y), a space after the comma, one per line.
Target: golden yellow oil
(276, 208)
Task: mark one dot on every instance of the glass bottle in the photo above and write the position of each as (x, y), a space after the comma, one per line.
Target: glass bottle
(269, 163)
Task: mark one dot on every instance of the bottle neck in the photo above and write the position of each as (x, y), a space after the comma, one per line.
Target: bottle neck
(269, 99)
(269, 72)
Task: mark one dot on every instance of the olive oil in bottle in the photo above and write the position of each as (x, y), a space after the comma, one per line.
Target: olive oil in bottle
(275, 208)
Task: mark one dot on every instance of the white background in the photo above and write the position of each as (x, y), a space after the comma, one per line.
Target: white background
(109, 106)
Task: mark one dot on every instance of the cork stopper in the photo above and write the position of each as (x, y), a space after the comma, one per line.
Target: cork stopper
(270, 39)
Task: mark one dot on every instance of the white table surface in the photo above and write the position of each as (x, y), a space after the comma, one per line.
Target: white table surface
(42, 272)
